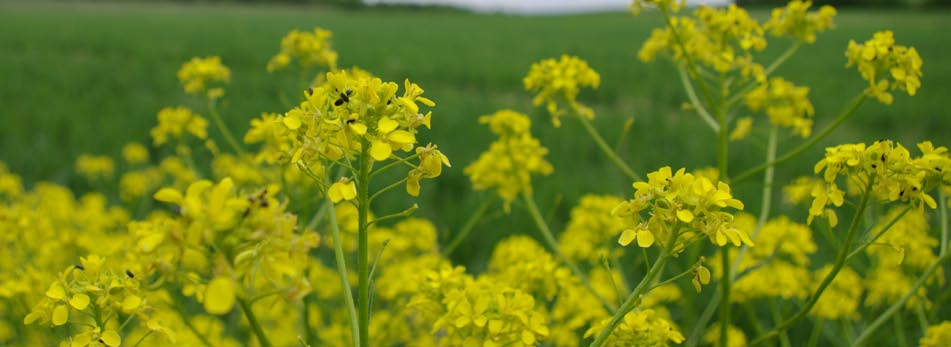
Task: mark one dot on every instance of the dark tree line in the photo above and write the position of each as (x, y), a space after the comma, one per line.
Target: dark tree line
(845, 3)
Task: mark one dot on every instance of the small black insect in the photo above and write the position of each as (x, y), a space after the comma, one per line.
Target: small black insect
(129, 273)
(79, 266)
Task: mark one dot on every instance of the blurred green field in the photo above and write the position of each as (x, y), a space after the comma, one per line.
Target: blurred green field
(88, 78)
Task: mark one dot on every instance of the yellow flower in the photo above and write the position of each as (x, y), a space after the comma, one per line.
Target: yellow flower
(680, 205)
(742, 130)
(796, 21)
(95, 167)
(198, 74)
(719, 38)
(786, 104)
(560, 81)
(135, 153)
(897, 175)
(509, 163)
(880, 58)
(177, 121)
(937, 335)
(841, 299)
(640, 328)
(307, 48)
(344, 189)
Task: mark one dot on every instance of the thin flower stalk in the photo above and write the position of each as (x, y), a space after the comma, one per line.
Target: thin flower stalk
(840, 262)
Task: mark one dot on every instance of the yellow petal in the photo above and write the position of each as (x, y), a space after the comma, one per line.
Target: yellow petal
(358, 128)
(704, 275)
(380, 150)
(402, 137)
(334, 192)
(386, 125)
(56, 291)
(292, 122)
(32, 317)
(168, 195)
(219, 296)
(645, 238)
(111, 338)
(60, 315)
(626, 237)
(130, 303)
(348, 191)
(685, 216)
(79, 301)
(412, 185)
(425, 101)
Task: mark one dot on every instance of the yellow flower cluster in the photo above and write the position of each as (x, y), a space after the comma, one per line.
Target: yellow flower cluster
(254, 243)
(307, 48)
(681, 208)
(95, 167)
(175, 122)
(135, 153)
(777, 267)
(895, 175)
(592, 231)
(879, 58)
(642, 328)
(509, 163)
(735, 335)
(796, 21)
(937, 335)
(721, 39)
(842, 298)
(905, 250)
(340, 117)
(98, 296)
(199, 74)
(786, 104)
(559, 81)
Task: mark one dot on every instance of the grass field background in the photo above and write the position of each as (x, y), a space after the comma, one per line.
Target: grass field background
(88, 78)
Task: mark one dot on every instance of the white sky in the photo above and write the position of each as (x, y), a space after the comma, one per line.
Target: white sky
(535, 6)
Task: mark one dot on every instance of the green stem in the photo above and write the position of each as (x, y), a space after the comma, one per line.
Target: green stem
(387, 188)
(943, 219)
(777, 316)
(342, 271)
(224, 128)
(705, 317)
(754, 320)
(253, 321)
(692, 95)
(467, 228)
(816, 330)
(633, 299)
(899, 327)
(363, 270)
(895, 307)
(550, 240)
(845, 114)
(692, 68)
(840, 262)
(606, 149)
(142, 338)
(767, 182)
(858, 250)
(725, 303)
